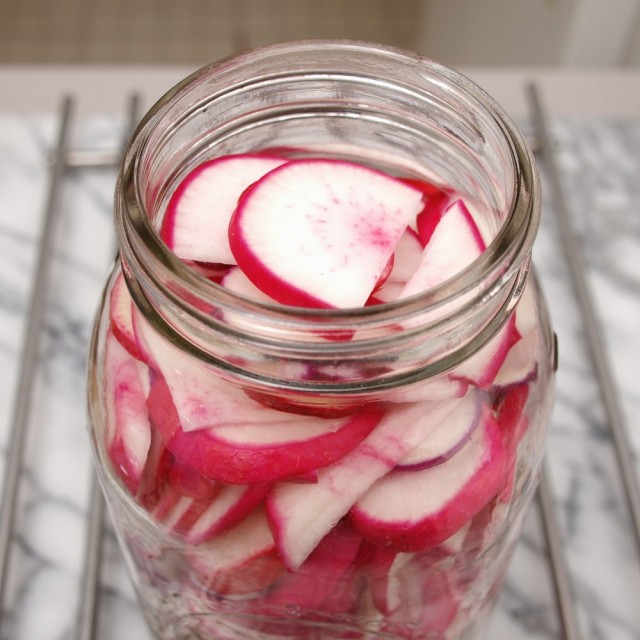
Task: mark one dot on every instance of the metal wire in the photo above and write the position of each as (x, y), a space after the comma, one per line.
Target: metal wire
(88, 609)
(64, 159)
(619, 432)
(31, 342)
(561, 582)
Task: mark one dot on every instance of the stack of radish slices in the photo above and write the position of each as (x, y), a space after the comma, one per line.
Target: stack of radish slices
(359, 513)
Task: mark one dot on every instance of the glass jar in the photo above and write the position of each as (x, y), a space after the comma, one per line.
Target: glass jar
(256, 457)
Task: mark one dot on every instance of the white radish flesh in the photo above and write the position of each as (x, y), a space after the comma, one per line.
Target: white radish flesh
(444, 431)
(453, 246)
(128, 434)
(197, 218)
(416, 510)
(320, 233)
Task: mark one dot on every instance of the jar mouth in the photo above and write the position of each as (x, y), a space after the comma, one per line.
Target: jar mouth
(504, 261)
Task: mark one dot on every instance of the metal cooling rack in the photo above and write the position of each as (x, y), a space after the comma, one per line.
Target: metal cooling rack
(65, 160)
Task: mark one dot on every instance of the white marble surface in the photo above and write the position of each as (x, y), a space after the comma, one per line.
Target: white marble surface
(600, 162)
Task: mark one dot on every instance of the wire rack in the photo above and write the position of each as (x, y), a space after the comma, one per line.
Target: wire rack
(65, 160)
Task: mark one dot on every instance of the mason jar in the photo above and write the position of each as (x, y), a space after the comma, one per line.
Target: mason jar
(278, 470)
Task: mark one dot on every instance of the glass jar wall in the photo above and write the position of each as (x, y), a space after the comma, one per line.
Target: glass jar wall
(279, 471)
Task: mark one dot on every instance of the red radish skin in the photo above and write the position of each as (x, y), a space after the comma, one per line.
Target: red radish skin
(406, 259)
(446, 429)
(128, 434)
(428, 189)
(436, 200)
(204, 519)
(189, 483)
(301, 515)
(203, 399)
(386, 272)
(241, 561)
(416, 599)
(319, 583)
(429, 605)
(235, 280)
(153, 483)
(455, 243)
(430, 216)
(120, 314)
(417, 510)
(197, 218)
(482, 367)
(246, 454)
(520, 363)
(320, 233)
(509, 411)
(210, 270)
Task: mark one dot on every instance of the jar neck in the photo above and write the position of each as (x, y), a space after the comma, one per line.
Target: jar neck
(380, 106)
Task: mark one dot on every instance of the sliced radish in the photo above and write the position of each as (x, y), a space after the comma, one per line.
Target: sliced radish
(242, 561)
(153, 482)
(213, 271)
(198, 520)
(301, 515)
(235, 280)
(437, 201)
(201, 397)
(413, 595)
(189, 483)
(445, 430)
(281, 445)
(455, 243)
(520, 363)
(509, 410)
(386, 272)
(128, 434)
(120, 315)
(197, 217)
(443, 388)
(406, 259)
(420, 600)
(527, 309)
(320, 233)
(481, 368)
(324, 581)
(416, 510)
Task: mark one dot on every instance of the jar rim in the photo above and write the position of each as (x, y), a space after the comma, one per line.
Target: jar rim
(512, 242)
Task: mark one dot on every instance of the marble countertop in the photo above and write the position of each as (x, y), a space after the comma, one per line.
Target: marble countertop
(598, 152)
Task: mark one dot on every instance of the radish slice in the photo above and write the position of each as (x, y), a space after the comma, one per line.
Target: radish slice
(239, 562)
(445, 430)
(301, 515)
(453, 246)
(416, 510)
(406, 260)
(197, 218)
(235, 280)
(320, 233)
(412, 595)
(198, 520)
(481, 368)
(278, 446)
(332, 559)
(128, 434)
(520, 364)
(189, 483)
(153, 483)
(120, 316)
(437, 202)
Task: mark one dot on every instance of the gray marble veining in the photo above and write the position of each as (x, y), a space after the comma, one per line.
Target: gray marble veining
(600, 164)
